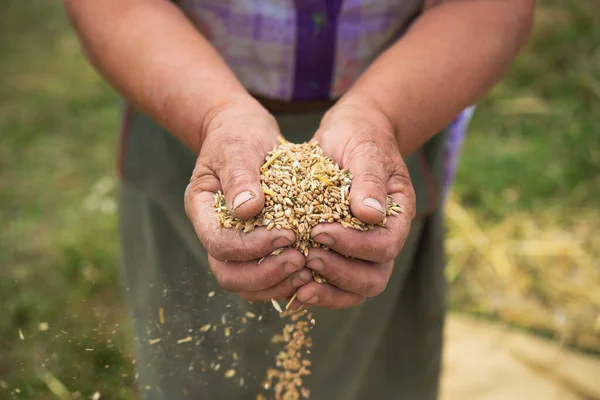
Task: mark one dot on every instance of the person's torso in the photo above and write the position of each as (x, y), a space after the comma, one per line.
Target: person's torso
(289, 50)
(300, 49)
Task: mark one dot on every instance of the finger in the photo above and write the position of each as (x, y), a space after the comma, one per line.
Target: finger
(368, 192)
(356, 276)
(250, 276)
(378, 245)
(240, 178)
(327, 296)
(228, 244)
(403, 193)
(282, 290)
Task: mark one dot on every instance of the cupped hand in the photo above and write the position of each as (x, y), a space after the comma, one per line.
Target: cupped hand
(360, 138)
(236, 139)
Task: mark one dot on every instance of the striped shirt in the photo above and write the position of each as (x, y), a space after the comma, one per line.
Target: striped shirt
(308, 49)
(300, 49)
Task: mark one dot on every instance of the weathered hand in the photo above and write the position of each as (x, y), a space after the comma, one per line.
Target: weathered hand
(359, 137)
(236, 141)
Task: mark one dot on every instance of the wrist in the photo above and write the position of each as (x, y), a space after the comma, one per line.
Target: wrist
(354, 121)
(359, 105)
(359, 110)
(236, 106)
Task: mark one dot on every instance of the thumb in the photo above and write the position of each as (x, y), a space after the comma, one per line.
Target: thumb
(368, 191)
(240, 180)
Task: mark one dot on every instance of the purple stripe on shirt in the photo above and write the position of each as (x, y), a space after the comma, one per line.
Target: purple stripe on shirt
(456, 133)
(316, 22)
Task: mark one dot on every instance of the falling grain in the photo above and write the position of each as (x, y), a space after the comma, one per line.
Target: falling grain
(185, 340)
(303, 188)
(230, 373)
(287, 306)
(276, 305)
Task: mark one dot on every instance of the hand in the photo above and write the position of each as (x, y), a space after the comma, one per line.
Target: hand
(360, 138)
(236, 140)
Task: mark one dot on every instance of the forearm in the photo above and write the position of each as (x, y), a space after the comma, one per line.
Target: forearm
(150, 53)
(450, 57)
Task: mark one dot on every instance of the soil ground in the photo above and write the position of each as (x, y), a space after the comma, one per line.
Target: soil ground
(488, 361)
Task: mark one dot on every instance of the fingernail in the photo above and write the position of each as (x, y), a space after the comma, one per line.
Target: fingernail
(281, 242)
(289, 268)
(242, 198)
(374, 204)
(325, 239)
(316, 264)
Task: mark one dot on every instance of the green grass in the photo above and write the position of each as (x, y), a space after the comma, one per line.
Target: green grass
(58, 242)
(524, 155)
(58, 136)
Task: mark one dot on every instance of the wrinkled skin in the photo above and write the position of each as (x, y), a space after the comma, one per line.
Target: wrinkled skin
(236, 140)
(357, 137)
(360, 138)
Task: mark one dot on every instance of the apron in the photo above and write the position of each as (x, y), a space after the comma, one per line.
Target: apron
(389, 347)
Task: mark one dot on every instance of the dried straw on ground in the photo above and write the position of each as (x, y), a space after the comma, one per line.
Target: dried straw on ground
(540, 271)
(302, 188)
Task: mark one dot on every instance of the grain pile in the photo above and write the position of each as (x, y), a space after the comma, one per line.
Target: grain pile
(302, 188)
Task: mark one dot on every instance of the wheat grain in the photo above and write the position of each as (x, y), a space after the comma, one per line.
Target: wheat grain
(302, 189)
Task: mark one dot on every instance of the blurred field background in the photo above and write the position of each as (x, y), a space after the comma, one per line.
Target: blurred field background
(523, 221)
